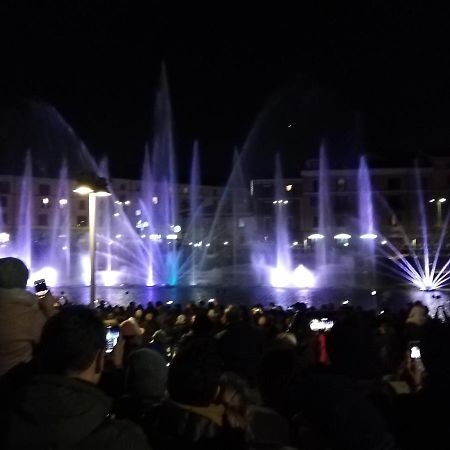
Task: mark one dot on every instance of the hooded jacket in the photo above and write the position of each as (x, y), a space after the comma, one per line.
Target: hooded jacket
(21, 322)
(56, 412)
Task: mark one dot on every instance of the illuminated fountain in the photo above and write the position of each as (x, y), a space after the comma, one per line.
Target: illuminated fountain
(278, 266)
(423, 267)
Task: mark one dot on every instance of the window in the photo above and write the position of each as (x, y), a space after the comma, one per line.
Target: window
(341, 184)
(44, 189)
(43, 220)
(3, 202)
(394, 184)
(82, 204)
(241, 223)
(5, 187)
(81, 221)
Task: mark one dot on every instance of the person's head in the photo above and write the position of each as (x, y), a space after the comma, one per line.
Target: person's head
(194, 375)
(202, 324)
(13, 273)
(436, 353)
(351, 348)
(233, 315)
(146, 376)
(73, 344)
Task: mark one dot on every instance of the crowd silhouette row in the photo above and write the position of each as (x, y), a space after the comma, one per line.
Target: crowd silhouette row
(211, 376)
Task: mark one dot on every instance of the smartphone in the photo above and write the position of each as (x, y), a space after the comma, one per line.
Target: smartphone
(323, 324)
(112, 335)
(40, 287)
(414, 350)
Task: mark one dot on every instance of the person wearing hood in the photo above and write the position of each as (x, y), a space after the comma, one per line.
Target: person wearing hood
(61, 406)
(22, 314)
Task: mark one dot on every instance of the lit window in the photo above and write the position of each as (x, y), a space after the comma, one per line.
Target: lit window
(289, 187)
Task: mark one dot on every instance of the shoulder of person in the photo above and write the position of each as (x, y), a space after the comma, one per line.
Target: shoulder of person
(117, 435)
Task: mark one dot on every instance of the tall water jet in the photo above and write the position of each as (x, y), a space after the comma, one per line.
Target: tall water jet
(282, 248)
(59, 254)
(164, 171)
(366, 217)
(324, 219)
(195, 211)
(23, 237)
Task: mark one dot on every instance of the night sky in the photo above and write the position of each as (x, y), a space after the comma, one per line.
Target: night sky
(368, 77)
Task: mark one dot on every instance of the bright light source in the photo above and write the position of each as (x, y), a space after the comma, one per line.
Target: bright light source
(177, 228)
(155, 200)
(280, 201)
(143, 236)
(373, 293)
(170, 302)
(432, 200)
(171, 237)
(83, 190)
(118, 202)
(154, 237)
(289, 187)
(295, 243)
(346, 302)
(45, 201)
(226, 243)
(64, 247)
(208, 245)
(4, 238)
(316, 236)
(345, 244)
(127, 202)
(49, 274)
(103, 194)
(286, 202)
(116, 214)
(118, 236)
(342, 236)
(63, 202)
(109, 277)
(442, 200)
(383, 242)
(368, 236)
(274, 202)
(321, 325)
(303, 277)
(138, 212)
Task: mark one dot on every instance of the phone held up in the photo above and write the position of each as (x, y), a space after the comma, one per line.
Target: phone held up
(40, 287)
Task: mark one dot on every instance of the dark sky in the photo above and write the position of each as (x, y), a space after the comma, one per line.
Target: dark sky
(368, 76)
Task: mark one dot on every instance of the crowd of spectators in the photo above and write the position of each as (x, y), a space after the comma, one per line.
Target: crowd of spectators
(211, 376)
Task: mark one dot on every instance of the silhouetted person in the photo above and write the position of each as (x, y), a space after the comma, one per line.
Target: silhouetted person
(61, 407)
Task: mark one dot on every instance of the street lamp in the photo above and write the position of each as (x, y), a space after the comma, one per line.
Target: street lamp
(439, 203)
(94, 187)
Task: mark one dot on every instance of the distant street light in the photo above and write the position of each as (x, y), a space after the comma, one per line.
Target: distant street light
(94, 187)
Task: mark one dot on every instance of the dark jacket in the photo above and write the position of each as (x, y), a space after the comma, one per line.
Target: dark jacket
(241, 347)
(55, 412)
(169, 426)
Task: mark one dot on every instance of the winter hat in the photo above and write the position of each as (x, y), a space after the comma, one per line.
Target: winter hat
(146, 374)
(13, 273)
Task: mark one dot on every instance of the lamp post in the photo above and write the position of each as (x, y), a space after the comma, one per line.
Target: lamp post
(439, 203)
(93, 187)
